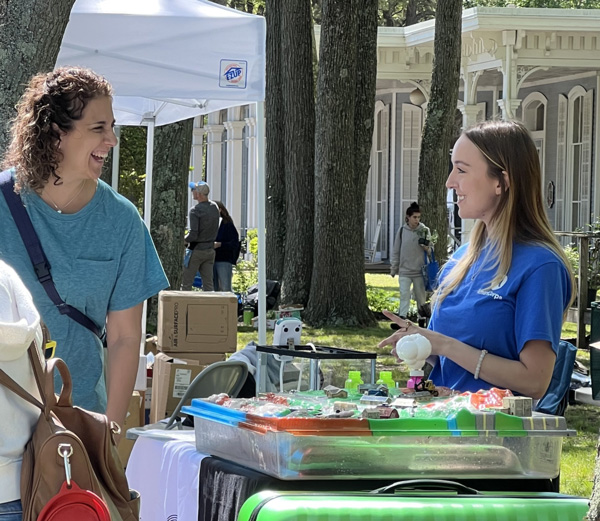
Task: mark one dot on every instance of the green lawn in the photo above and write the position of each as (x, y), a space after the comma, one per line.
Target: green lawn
(579, 452)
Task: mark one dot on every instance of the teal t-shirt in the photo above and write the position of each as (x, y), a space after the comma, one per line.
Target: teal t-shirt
(102, 259)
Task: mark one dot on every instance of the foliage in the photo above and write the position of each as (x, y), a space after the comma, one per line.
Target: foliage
(245, 272)
(380, 299)
(593, 272)
(594, 253)
(558, 4)
(572, 254)
(252, 242)
(132, 165)
(248, 6)
(402, 13)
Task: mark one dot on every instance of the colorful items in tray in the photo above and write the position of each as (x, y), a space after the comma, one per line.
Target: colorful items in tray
(318, 404)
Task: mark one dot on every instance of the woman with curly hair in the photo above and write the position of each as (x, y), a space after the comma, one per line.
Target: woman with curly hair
(102, 259)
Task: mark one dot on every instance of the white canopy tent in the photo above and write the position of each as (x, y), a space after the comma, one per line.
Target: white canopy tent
(170, 60)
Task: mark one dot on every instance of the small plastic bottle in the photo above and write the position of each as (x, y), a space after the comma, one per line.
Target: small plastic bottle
(415, 377)
(385, 377)
(353, 381)
(248, 315)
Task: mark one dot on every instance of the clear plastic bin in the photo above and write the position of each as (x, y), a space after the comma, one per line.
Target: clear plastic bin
(528, 453)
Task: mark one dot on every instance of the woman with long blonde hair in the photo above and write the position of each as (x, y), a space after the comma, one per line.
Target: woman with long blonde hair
(498, 312)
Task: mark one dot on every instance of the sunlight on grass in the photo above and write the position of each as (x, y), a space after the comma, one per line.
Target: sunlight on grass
(577, 465)
(382, 281)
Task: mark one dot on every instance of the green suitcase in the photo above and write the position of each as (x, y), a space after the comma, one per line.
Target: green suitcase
(419, 500)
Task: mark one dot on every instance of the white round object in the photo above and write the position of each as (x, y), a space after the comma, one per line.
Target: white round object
(407, 348)
(414, 350)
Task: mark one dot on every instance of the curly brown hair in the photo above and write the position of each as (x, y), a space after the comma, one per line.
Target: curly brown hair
(51, 103)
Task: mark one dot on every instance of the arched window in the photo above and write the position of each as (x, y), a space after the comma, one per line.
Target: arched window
(574, 156)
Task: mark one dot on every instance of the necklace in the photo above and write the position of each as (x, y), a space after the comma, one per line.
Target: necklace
(58, 208)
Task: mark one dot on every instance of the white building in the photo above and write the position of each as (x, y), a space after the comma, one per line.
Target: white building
(541, 66)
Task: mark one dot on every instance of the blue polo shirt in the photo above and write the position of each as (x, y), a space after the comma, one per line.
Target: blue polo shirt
(527, 305)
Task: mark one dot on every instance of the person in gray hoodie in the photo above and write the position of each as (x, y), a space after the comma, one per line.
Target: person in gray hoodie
(412, 240)
(19, 326)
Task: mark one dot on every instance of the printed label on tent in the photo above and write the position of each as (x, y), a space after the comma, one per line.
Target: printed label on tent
(182, 382)
(233, 74)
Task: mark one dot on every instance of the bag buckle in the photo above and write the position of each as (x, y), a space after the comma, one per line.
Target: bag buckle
(42, 271)
(66, 451)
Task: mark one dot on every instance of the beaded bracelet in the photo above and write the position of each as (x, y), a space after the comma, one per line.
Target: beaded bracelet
(478, 368)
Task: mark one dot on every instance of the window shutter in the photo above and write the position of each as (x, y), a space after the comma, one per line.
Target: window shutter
(586, 156)
(411, 144)
(561, 160)
(385, 176)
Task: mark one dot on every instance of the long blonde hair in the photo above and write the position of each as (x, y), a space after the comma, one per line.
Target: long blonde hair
(520, 215)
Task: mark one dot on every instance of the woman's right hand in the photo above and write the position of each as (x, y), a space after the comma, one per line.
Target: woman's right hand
(406, 327)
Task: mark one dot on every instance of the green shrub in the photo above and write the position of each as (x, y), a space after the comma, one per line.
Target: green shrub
(379, 299)
(245, 272)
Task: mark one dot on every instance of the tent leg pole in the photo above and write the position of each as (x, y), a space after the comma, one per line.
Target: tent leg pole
(147, 204)
(116, 152)
(262, 264)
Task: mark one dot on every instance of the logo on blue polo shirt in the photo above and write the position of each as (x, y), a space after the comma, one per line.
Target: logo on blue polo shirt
(492, 293)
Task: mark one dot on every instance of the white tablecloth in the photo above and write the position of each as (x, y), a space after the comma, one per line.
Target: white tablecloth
(164, 468)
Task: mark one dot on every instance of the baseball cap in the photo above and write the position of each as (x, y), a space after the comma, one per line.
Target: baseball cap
(200, 187)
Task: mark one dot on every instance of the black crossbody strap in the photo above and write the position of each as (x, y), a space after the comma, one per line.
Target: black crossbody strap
(38, 258)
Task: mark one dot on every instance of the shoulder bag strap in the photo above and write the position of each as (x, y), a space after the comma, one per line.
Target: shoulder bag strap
(38, 258)
(9, 383)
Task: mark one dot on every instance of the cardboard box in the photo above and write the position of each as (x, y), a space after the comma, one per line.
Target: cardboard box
(289, 312)
(197, 321)
(170, 379)
(133, 419)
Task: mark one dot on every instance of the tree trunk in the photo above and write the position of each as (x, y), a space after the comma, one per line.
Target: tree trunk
(172, 149)
(411, 13)
(299, 142)
(275, 211)
(31, 32)
(364, 103)
(434, 159)
(338, 289)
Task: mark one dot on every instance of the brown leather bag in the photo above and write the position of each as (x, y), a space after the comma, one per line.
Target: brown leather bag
(65, 432)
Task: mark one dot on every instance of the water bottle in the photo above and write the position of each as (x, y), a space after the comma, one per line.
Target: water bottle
(353, 381)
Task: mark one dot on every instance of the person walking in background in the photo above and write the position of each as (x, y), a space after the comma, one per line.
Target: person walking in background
(101, 256)
(412, 239)
(19, 326)
(204, 225)
(227, 250)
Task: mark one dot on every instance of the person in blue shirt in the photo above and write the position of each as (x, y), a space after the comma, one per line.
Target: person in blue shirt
(498, 311)
(102, 258)
(227, 250)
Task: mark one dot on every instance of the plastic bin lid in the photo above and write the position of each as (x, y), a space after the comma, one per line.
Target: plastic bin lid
(211, 411)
